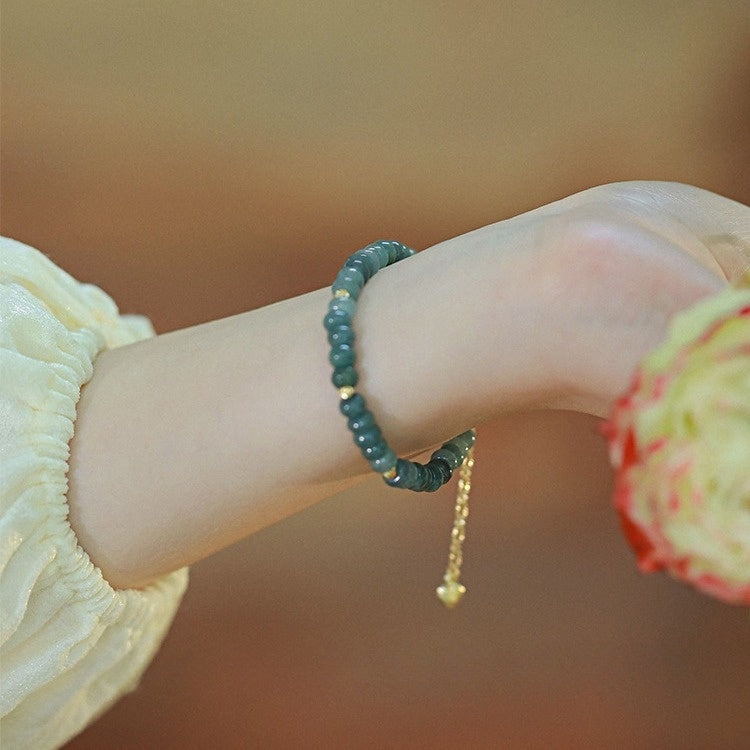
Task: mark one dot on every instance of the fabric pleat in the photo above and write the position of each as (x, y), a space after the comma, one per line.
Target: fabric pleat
(70, 644)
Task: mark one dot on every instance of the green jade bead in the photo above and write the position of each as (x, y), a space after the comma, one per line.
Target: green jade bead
(368, 437)
(393, 251)
(354, 406)
(442, 470)
(357, 263)
(379, 449)
(341, 335)
(450, 454)
(350, 280)
(361, 422)
(372, 258)
(467, 438)
(434, 480)
(347, 304)
(402, 252)
(385, 462)
(341, 356)
(336, 319)
(382, 253)
(406, 475)
(422, 477)
(344, 376)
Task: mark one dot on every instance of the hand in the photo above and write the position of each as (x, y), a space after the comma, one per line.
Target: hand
(629, 256)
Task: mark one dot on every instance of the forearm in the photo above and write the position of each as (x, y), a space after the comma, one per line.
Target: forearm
(194, 439)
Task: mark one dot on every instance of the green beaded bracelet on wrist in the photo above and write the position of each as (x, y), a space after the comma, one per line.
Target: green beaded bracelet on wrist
(397, 472)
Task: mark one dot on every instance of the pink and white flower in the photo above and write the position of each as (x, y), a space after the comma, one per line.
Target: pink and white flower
(679, 441)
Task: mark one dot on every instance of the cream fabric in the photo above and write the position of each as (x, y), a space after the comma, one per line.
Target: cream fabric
(70, 644)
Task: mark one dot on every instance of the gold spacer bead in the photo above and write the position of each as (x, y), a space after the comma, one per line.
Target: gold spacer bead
(390, 474)
(340, 293)
(346, 392)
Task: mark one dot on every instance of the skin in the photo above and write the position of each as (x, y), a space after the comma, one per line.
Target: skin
(190, 441)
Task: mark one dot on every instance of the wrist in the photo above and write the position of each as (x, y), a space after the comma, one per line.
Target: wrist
(480, 324)
(615, 280)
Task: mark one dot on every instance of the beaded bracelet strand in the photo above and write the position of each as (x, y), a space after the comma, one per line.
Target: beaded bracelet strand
(396, 472)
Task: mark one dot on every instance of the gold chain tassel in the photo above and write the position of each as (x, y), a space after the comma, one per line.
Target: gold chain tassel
(451, 591)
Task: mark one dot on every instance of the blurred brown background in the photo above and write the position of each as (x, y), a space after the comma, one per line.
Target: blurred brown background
(199, 159)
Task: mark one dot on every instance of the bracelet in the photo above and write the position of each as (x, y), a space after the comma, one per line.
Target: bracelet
(396, 472)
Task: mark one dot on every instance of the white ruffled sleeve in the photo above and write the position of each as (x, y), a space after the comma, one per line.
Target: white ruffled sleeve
(70, 644)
